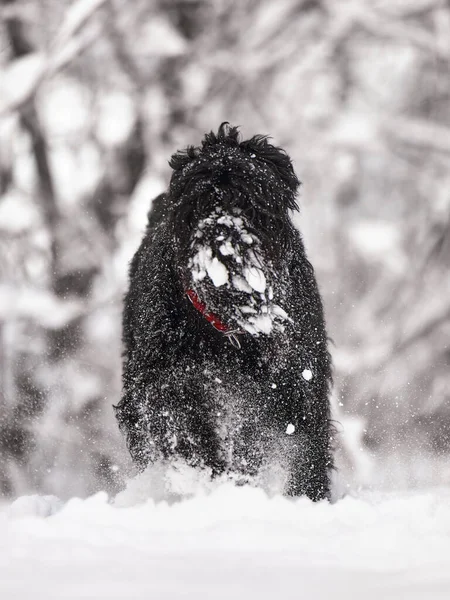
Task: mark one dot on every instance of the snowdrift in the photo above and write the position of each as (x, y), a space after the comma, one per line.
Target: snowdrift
(176, 535)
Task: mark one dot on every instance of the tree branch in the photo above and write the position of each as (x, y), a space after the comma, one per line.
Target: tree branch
(67, 44)
(426, 134)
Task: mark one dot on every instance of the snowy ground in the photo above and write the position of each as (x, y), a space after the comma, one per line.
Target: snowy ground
(228, 542)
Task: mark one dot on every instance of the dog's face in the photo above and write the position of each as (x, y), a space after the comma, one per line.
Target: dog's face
(229, 203)
(253, 177)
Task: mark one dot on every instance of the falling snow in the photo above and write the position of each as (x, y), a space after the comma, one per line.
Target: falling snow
(307, 375)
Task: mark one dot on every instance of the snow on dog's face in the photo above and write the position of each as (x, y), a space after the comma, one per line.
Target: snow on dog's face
(227, 269)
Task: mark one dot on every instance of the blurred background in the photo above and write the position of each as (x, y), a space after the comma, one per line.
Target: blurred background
(95, 96)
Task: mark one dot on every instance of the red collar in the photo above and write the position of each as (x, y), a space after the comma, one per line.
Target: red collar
(209, 316)
(231, 334)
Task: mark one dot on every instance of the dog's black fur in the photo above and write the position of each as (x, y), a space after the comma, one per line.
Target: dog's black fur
(238, 402)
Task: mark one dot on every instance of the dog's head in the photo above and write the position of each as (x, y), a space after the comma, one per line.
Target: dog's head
(228, 203)
(252, 176)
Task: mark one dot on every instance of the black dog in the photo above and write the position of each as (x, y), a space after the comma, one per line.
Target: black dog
(226, 363)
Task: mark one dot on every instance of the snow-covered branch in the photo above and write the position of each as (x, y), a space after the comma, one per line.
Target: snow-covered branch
(23, 76)
(397, 30)
(420, 133)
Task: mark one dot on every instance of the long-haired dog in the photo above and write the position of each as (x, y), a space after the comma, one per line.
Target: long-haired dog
(226, 363)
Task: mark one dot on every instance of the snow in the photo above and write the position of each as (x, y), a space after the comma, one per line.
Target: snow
(217, 272)
(199, 540)
(240, 284)
(307, 375)
(259, 324)
(256, 279)
(37, 506)
(263, 323)
(203, 262)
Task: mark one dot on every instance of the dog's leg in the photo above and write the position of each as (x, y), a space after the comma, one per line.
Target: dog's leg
(133, 424)
(300, 416)
(170, 420)
(310, 470)
(247, 455)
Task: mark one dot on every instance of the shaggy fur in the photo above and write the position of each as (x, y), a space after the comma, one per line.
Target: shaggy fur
(255, 395)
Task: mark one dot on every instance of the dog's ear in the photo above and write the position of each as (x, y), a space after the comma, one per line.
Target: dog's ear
(275, 157)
